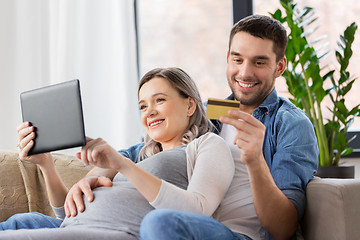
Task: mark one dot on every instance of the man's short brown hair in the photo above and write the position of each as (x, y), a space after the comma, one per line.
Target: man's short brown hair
(263, 27)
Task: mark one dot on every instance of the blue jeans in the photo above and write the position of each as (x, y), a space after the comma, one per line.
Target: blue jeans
(164, 224)
(32, 220)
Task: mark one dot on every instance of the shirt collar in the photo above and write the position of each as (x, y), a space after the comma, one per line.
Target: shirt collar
(270, 101)
(268, 105)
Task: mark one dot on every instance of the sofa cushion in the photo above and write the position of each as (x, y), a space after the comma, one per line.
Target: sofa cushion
(22, 186)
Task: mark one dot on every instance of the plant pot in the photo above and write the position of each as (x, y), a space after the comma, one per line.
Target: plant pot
(341, 171)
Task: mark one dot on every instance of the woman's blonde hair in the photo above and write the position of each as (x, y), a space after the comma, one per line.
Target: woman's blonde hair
(186, 87)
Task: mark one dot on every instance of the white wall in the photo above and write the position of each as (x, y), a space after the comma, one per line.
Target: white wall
(46, 42)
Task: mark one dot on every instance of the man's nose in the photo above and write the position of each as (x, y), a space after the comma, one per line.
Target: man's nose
(246, 70)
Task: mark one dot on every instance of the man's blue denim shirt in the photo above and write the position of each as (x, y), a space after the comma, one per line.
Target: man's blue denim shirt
(290, 147)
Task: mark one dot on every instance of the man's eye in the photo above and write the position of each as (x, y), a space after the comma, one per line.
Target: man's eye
(259, 63)
(237, 60)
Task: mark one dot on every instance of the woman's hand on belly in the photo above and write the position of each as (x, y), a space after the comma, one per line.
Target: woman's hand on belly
(99, 153)
(74, 199)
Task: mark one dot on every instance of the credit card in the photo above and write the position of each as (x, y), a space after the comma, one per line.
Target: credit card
(219, 107)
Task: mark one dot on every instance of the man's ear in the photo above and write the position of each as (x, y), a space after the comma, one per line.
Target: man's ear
(191, 106)
(227, 57)
(280, 67)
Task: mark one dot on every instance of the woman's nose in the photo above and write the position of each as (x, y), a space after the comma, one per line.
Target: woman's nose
(151, 111)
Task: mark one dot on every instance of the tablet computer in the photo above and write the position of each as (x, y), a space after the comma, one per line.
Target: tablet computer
(56, 113)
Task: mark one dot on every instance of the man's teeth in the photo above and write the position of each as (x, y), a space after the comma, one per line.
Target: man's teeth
(248, 85)
(155, 123)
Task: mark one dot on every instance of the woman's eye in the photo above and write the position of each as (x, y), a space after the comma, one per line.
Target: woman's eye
(142, 107)
(160, 99)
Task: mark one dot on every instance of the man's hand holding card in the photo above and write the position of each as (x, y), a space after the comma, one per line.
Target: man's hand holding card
(219, 107)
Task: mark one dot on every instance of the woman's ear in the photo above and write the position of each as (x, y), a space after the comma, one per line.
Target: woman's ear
(191, 106)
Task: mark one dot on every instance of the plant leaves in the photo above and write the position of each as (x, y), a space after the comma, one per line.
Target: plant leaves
(305, 79)
(347, 88)
(340, 45)
(339, 57)
(342, 108)
(340, 117)
(307, 22)
(355, 110)
(277, 14)
(341, 139)
(346, 151)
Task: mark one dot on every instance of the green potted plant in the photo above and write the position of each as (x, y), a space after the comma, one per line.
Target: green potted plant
(305, 79)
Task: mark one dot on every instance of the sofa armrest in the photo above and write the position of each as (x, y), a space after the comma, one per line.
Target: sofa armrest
(22, 186)
(333, 209)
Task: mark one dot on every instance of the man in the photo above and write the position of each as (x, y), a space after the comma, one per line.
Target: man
(276, 142)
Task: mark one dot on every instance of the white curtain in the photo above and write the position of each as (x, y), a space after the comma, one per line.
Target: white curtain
(43, 42)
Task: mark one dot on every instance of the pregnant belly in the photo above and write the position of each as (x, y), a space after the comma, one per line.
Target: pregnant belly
(120, 207)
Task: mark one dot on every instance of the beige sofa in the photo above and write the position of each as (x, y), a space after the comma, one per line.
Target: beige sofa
(22, 187)
(332, 213)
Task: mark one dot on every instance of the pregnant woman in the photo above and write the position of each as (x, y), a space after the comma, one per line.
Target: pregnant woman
(180, 166)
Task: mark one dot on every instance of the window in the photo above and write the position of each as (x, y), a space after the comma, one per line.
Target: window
(192, 35)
